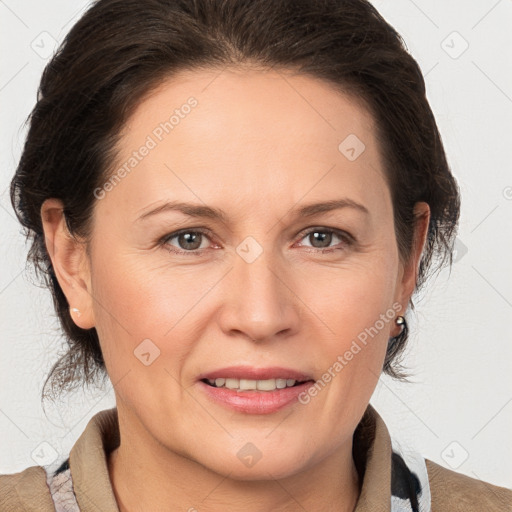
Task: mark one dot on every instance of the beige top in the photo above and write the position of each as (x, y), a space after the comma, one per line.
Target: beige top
(450, 491)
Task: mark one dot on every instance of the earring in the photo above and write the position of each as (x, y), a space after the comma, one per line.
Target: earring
(76, 310)
(400, 321)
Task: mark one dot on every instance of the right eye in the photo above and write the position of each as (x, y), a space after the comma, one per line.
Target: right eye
(189, 241)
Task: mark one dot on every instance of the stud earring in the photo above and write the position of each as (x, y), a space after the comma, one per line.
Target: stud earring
(76, 310)
(400, 321)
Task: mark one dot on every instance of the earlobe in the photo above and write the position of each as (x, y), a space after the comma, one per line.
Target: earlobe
(69, 261)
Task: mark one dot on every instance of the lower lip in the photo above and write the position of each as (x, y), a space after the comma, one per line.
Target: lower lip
(255, 402)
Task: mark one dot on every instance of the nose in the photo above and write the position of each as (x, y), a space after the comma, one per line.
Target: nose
(258, 300)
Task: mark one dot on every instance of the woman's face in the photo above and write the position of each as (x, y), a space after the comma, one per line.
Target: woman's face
(254, 294)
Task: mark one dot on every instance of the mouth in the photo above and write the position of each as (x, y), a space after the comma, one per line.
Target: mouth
(254, 390)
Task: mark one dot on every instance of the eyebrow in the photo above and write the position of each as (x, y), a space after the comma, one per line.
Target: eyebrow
(200, 211)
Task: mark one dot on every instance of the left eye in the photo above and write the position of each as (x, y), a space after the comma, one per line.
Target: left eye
(324, 237)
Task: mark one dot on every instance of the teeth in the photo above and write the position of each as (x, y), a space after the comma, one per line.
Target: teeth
(266, 385)
(247, 384)
(280, 383)
(250, 384)
(232, 383)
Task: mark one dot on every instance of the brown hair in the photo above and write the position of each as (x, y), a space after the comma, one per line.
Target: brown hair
(120, 50)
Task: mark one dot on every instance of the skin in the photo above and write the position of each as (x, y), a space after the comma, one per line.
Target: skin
(258, 145)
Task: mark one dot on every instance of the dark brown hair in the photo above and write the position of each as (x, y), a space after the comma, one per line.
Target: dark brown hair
(120, 50)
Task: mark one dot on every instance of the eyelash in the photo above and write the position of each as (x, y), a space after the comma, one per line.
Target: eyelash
(347, 239)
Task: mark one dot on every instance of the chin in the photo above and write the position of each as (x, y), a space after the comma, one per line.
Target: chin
(268, 470)
(250, 464)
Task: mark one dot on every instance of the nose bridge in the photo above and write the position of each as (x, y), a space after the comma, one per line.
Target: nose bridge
(260, 303)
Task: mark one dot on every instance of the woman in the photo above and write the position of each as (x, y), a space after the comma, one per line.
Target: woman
(232, 224)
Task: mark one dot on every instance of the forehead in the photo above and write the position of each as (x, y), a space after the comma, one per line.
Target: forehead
(237, 133)
(256, 102)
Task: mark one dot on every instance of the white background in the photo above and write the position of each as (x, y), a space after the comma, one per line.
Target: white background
(458, 411)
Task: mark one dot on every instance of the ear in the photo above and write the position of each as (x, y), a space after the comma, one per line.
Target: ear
(70, 263)
(407, 282)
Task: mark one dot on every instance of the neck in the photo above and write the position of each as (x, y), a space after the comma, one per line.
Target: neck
(147, 473)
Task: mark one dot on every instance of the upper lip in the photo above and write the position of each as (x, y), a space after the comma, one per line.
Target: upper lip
(252, 373)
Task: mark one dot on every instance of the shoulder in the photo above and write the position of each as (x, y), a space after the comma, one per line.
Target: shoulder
(456, 492)
(25, 491)
(29, 490)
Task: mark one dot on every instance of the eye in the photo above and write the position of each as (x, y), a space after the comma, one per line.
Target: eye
(188, 241)
(321, 239)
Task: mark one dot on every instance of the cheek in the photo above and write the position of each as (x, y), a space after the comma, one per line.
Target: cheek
(351, 299)
(350, 360)
(135, 303)
(355, 306)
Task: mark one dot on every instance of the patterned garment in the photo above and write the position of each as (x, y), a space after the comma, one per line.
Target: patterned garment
(410, 490)
(61, 488)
